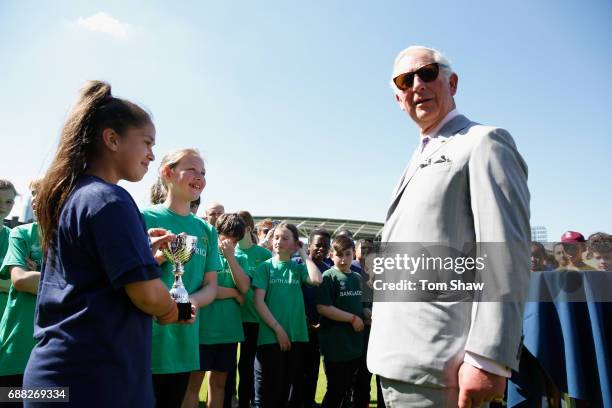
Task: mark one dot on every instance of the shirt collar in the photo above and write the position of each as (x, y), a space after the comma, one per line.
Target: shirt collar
(434, 132)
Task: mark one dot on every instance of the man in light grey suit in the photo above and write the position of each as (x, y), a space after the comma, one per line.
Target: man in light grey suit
(464, 183)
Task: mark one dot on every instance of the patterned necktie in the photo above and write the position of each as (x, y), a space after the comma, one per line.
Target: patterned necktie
(424, 142)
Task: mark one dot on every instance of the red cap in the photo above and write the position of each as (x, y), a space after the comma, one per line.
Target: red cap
(572, 237)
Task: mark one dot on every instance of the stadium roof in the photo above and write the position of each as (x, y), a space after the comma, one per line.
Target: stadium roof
(360, 229)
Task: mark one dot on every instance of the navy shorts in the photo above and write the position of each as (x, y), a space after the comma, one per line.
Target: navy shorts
(218, 357)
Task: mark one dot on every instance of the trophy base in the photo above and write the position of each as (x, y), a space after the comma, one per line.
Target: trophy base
(184, 311)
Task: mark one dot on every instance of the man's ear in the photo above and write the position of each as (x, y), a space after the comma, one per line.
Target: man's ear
(453, 81)
(399, 102)
(110, 138)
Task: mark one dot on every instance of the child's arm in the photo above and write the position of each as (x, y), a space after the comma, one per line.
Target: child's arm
(314, 274)
(230, 293)
(24, 280)
(333, 313)
(207, 294)
(241, 280)
(152, 297)
(268, 318)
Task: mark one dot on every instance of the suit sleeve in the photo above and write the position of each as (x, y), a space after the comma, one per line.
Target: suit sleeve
(499, 198)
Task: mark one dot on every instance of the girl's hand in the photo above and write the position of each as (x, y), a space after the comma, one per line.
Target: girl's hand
(240, 299)
(227, 247)
(159, 238)
(357, 323)
(282, 338)
(193, 302)
(268, 238)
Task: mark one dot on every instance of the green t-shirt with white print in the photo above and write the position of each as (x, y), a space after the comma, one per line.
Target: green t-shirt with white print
(338, 340)
(220, 321)
(17, 322)
(176, 346)
(282, 281)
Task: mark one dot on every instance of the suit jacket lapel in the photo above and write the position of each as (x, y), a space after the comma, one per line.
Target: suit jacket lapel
(406, 174)
(451, 128)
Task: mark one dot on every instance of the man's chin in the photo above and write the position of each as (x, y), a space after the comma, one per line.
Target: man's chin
(425, 118)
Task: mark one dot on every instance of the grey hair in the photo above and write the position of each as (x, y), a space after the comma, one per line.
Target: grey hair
(445, 65)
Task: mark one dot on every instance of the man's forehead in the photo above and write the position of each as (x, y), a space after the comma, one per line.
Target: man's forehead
(409, 62)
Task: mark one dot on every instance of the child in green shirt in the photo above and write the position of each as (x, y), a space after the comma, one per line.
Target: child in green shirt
(340, 336)
(280, 304)
(21, 266)
(7, 200)
(248, 390)
(175, 348)
(220, 321)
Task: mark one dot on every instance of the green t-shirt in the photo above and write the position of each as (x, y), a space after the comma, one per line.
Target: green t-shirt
(220, 321)
(4, 237)
(17, 323)
(175, 346)
(282, 282)
(256, 255)
(337, 340)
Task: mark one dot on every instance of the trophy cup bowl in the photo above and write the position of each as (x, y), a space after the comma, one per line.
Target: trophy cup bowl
(179, 252)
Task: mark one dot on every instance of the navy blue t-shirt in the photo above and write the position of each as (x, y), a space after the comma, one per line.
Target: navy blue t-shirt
(310, 292)
(90, 336)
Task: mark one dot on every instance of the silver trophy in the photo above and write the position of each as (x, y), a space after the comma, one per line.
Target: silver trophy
(179, 252)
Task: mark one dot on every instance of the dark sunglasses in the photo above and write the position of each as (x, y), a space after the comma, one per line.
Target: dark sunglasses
(427, 73)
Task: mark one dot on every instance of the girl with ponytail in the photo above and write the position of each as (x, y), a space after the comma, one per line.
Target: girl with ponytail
(99, 286)
(175, 354)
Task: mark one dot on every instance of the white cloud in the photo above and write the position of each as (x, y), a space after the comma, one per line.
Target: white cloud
(104, 23)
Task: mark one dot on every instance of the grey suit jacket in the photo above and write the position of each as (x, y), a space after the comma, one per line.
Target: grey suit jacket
(478, 193)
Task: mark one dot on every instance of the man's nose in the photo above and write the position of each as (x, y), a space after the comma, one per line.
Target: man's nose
(417, 83)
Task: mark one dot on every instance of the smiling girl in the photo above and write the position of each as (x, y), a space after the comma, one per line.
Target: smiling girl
(176, 348)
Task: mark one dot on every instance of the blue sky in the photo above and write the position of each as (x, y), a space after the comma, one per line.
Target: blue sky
(289, 102)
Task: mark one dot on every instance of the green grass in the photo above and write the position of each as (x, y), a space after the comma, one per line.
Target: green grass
(321, 387)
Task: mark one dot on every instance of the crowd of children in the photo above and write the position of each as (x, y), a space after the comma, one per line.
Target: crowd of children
(96, 315)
